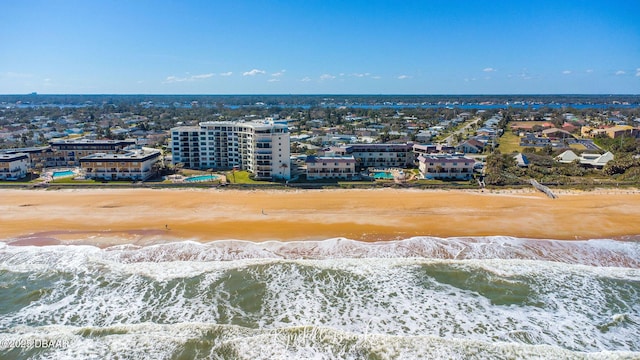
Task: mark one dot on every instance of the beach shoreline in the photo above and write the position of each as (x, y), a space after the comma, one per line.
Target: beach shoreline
(105, 217)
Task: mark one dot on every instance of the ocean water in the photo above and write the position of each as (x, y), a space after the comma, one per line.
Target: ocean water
(424, 297)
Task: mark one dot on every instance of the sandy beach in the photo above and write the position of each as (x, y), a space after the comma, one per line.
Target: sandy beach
(112, 216)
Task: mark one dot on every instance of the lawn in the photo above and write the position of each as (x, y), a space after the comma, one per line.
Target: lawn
(577, 147)
(242, 177)
(509, 143)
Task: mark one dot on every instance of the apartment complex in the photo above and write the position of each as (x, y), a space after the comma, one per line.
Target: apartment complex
(331, 167)
(130, 165)
(445, 166)
(260, 147)
(613, 132)
(185, 141)
(69, 152)
(13, 166)
(37, 155)
(377, 155)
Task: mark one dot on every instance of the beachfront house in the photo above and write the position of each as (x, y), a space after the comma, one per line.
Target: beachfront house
(594, 160)
(445, 166)
(13, 166)
(130, 165)
(260, 147)
(331, 167)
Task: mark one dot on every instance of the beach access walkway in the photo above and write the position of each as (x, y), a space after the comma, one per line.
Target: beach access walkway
(543, 188)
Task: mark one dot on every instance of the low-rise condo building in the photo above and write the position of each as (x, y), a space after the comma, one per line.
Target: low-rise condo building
(69, 152)
(377, 155)
(331, 167)
(13, 166)
(130, 165)
(445, 166)
(260, 147)
(38, 156)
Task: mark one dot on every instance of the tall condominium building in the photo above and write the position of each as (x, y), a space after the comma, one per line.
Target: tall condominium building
(259, 147)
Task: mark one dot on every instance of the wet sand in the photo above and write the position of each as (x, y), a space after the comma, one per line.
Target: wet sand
(142, 216)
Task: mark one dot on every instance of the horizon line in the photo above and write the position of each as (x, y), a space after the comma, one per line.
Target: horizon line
(320, 94)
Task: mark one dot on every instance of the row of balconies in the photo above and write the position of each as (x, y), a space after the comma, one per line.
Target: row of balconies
(449, 171)
(331, 171)
(11, 170)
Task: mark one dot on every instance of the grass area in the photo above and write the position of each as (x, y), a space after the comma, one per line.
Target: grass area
(24, 180)
(526, 124)
(242, 177)
(509, 143)
(190, 172)
(577, 147)
(69, 180)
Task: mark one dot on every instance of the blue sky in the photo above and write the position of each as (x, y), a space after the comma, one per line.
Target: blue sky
(319, 47)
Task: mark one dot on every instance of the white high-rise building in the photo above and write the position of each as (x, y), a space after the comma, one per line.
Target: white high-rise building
(259, 147)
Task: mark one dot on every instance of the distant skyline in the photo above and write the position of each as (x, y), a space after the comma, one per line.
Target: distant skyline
(319, 47)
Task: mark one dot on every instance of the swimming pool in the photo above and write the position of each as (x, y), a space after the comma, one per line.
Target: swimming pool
(200, 178)
(382, 175)
(66, 173)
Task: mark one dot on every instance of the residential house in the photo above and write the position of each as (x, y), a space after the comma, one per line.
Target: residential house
(593, 160)
(471, 146)
(556, 134)
(521, 160)
(530, 140)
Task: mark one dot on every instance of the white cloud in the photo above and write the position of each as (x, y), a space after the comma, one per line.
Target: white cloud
(589, 71)
(326, 77)
(638, 72)
(489, 69)
(567, 72)
(279, 73)
(376, 77)
(305, 79)
(620, 72)
(361, 75)
(228, 73)
(175, 79)
(402, 77)
(273, 80)
(172, 79)
(202, 76)
(254, 72)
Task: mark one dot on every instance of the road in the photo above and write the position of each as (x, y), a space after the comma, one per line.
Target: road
(449, 139)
